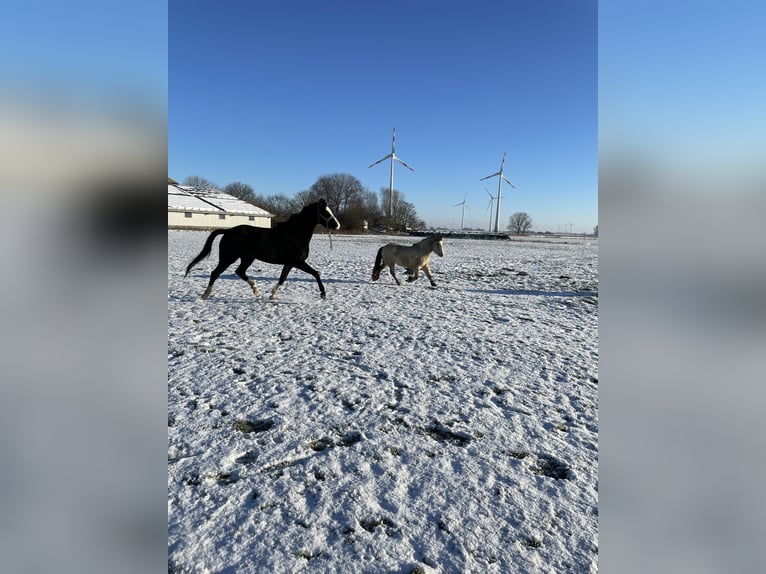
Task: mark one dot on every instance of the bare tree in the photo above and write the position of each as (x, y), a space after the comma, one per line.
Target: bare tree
(403, 214)
(520, 223)
(303, 198)
(199, 182)
(239, 190)
(340, 190)
(279, 205)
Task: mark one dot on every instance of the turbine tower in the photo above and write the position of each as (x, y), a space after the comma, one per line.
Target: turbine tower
(462, 216)
(393, 157)
(500, 180)
(489, 206)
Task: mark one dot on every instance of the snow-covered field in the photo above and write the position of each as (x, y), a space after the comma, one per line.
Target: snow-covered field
(388, 428)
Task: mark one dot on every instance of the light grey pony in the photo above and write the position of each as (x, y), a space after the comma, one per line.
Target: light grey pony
(412, 257)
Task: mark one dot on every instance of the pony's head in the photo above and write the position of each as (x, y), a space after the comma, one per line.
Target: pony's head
(326, 216)
(438, 244)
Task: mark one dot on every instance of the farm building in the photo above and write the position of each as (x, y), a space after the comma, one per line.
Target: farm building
(193, 208)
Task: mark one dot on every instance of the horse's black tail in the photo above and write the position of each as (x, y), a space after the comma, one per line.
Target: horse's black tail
(378, 265)
(205, 250)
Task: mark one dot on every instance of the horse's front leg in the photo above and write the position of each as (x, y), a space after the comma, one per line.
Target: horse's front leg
(393, 274)
(303, 266)
(414, 273)
(427, 271)
(282, 278)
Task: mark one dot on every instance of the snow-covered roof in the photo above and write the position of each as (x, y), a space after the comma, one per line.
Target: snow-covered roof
(185, 198)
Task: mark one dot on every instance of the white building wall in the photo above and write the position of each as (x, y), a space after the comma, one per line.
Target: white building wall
(202, 220)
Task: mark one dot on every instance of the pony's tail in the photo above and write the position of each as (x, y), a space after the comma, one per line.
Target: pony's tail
(205, 250)
(378, 265)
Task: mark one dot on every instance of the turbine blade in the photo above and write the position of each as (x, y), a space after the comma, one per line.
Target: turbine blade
(493, 175)
(404, 164)
(380, 160)
(508, 182)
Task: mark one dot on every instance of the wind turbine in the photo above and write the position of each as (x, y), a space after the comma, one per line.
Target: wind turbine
(500, 180)
(462, 216)
(393, 157)
(489, 206)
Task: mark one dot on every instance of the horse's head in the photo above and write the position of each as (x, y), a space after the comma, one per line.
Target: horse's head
(326, 216)
(438, 244)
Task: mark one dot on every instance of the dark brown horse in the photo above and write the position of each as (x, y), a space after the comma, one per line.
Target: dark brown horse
(287, 244)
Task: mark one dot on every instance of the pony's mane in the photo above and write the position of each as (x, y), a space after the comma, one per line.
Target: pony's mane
(433, 237)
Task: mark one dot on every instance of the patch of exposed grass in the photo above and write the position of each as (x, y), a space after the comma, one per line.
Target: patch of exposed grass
(531, 542)
(246, 426)
(442, 433)
(551, 467)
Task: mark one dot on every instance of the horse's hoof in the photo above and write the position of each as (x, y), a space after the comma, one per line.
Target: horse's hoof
(323, 296)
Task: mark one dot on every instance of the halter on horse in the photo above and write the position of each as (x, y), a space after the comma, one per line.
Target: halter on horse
(287, 244)
(411, 257)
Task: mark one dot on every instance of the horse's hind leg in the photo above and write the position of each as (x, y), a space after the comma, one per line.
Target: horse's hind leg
(220, 268)
(241, 271)
(282, 278)
(413, 273)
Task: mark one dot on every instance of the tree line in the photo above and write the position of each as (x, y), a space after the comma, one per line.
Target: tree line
(352, 203)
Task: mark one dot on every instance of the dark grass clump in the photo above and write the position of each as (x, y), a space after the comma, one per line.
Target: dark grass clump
(246, 426)
(551, 467)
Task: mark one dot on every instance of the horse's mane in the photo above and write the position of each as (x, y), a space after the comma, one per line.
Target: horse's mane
(294, 217)
(432, 237)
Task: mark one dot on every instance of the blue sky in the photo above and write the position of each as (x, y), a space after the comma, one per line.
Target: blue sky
(276, 94)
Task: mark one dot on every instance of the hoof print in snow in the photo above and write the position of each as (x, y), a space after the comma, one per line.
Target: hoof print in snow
(280, 466)
(247, 458)
(308, 555)
(518, 454)
(441, 433)
(320, 444)
(351, 438)
(224, 478)
(551, 467)
(253, 426)
(370, 524)
(347, 439)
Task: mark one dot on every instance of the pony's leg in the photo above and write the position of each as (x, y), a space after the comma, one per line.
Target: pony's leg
(282, 278)
(414, 273)
(241, 271)
(220, 268)
(393, 274)
(303, 266)
(427, 271)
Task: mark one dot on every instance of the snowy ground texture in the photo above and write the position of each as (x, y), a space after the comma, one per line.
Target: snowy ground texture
(388, 428)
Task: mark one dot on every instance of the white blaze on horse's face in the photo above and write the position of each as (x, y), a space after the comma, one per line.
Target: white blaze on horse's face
(332, 223)
(439, 248)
